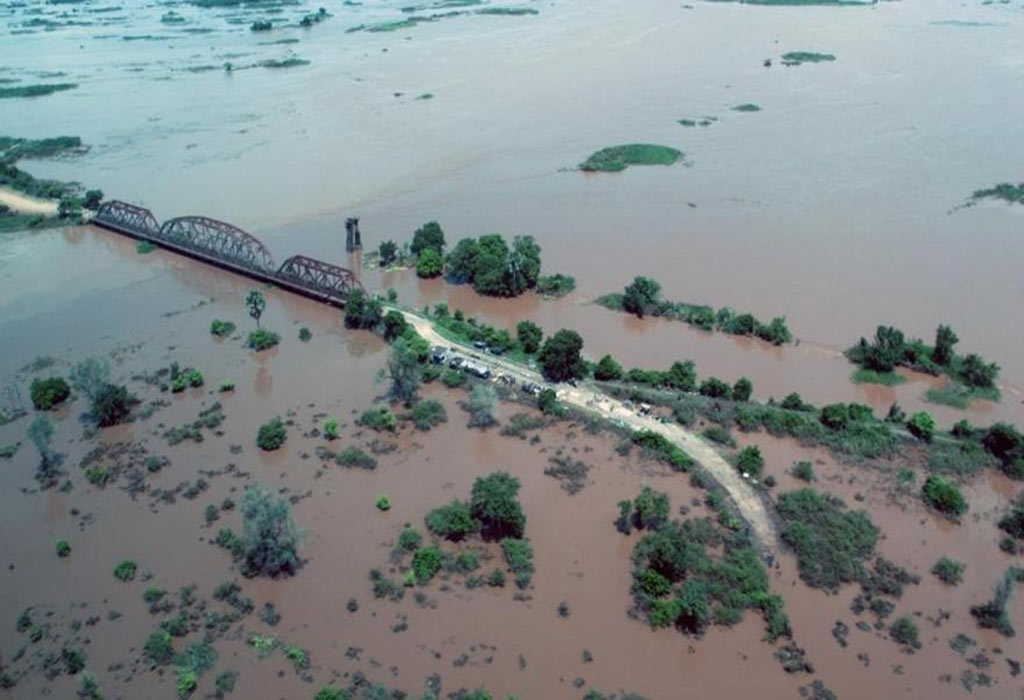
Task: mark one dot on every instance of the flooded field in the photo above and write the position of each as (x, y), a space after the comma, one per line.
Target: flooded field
(837, 205)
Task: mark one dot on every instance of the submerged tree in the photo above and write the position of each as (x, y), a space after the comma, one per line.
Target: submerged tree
(256, 303)
(945, 340)
(641, 296)
(404, 370)
(40, 432)
(480, 405)
(270, 538)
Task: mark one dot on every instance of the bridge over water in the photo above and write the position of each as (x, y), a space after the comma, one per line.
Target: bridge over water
(230, 248)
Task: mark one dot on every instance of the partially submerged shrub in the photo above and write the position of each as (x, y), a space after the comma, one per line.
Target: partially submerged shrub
(426, 562)
(904, 631)
(379, 418)
(63, 549)
(270, 538)
(271, 435)
(352, 456)
(47, 393)
(943, 496)
(519, 557)
(803, 471)
(494, 504)
(948, 571)
(262, 339)
(125, 571)
(453, 521)
(221, 329)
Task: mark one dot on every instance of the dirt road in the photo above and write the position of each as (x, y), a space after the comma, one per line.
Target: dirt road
(27, 205)
(748, 502)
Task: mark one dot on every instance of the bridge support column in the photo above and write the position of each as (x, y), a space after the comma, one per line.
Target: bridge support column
(353, 241)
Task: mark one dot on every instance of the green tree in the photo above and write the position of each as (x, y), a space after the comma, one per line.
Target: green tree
(560, 356)
(491, 266)
(529, 335)
(641, 296)
(40, 433)
(90, 376)
(494, 504)
(429, 264)
(388, 252)
(607, 369)
(651, 508)
(404, 370)
(742, 389)
(462, 261)
(93, 198)
(394, 325)
(945, 340)
(922, 425)
(270, 538)
(681, 376)
(256, 303)
(976, 372)
(361, 311)
(429, 235)
(523, 265)
(750, 461)
(112, 404)
(943, 496)
(47, 393)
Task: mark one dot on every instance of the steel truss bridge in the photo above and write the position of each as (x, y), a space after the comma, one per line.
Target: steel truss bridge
(230, 248)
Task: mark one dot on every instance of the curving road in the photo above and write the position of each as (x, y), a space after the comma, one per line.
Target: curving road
(748, 502)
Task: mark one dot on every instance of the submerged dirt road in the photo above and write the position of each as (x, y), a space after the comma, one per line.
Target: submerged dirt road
(25, 204)
(748, 502)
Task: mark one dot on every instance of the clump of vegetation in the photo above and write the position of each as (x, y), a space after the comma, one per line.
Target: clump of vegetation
(557, 285)
(830, 542)
(353, 456)
(749, 462)
(493, 267)
(159, 647)
(494, 504)
(617, 158)
(271, 434)
(795, 58)
(409, 539)
(679, 582)
(1007, 192)
(948, 571)
(262, 339)
(426, 561)
(746, 107)
(995, 613)
(481, 406)
(305, 335)
(110, 404)
(63, 549)
(125, 570)
(379, 418)
(570, 472)
(221, 329)
(270, 538)
(38, 90)
(383, 502)
(428, 414)
(453, 521)
(331, 429)
(657, 446)
(904, 631)
(943, 496)
(261, 26)
(922, 425)
(642, 297)
(1013, 522)
(803, 471)
(47, 393)
(519, 558)
(890, 348)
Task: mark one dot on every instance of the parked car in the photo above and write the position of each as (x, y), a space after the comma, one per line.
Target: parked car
(456, 362)
(531, 388)
(437, 354)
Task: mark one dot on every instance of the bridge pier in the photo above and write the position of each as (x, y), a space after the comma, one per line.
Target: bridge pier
(353, 241)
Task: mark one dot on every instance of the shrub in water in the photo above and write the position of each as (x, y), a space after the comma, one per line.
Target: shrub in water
(47, 393)
(943, 496)
(271, 435)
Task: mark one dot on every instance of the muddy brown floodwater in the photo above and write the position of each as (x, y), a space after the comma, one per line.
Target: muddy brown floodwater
(157, 309)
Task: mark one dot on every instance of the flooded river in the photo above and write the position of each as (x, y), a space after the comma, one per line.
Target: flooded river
(835, 206)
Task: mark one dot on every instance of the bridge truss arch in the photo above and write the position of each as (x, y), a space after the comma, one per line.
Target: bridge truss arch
(128, 217)
(218, 240)
(330, 280)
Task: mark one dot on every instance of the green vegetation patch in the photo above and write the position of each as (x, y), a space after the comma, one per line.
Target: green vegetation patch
(831, 543)
(746, 107)
(34, 90)
(956, 395)
(870, 376)
(617, 158)
(290, 62)
(1012, 194)
(795, 58)
(943, 496)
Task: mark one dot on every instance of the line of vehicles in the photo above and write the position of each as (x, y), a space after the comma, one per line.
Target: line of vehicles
(473, 364)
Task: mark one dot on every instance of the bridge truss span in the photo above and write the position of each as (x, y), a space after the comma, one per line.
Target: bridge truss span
(218, 240)
(128, 218)
(330, 280)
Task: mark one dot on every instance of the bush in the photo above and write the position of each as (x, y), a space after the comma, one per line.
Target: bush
(47, 393)
(948, 571)
(519, 557)
(426, 562)
(271, 435)
(742, 390)
(270, 538)
(560, 357)
(453, 521)
(718, 434)
(922, 426)
(607, 369)
(803, 471)
(651, 508)
(221, 329)
(383, 503)
(409, 539)
(714, 388)
(429, 264)
(750, 461)
(659, 447)
(352, 456)
(262, 339)
(831, 544)
(904, 631)
(305, 335)
(125, 571)
(529, 335)
(112, 404)
(331, 429)
(428, 414)
(379, 418)
(63, 549)
(454, 378)
(494, 504)
(159, 647)
(943, 496)
(1013, 522)
(428, 236)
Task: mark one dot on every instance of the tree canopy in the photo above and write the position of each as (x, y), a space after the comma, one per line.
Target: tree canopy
(560, 356)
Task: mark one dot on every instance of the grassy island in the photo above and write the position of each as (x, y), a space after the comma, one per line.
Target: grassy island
(617, 158)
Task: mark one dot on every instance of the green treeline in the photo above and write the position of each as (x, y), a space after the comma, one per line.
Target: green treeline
(642, 297)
